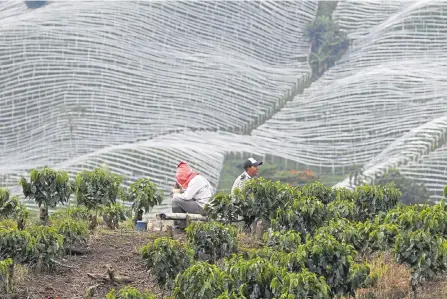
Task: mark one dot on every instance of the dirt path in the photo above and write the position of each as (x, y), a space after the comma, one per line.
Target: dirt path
(107, 248)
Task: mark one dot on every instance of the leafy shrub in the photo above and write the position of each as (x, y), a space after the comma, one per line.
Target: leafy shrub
(15, 244)
(426, 254)
(327, 257)
(345, 231)
(259, 198)
(341, 209)
(48, 245)
(75, 233)
(304, 214)
(75, 213)
(47, 188)
(212, 239)
(372, 200)
(201, 281)
(10, 207)
(252, 277)
(283, 241)
(97, 188)
(113, 214)
(166, 258)
(129, 293)
(144, 195)
(6, 275)
(224, 208)
(288, 219)
(304, 284)
(318, 191)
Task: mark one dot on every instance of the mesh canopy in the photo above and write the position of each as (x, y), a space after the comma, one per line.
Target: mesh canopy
(142, 85)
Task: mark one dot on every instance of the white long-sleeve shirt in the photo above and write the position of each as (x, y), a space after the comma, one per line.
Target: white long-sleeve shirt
(199, 189)
(239, 182)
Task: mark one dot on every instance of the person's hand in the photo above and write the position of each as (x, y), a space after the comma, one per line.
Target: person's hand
(174, 191)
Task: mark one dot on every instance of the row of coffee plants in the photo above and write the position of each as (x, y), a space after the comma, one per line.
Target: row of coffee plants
(96, 190)
(211, 265)
(41, 245)
(311, 243)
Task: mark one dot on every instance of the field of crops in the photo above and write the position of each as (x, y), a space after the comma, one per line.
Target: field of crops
(268, 241)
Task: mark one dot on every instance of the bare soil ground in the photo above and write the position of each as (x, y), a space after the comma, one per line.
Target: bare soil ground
(117, 249)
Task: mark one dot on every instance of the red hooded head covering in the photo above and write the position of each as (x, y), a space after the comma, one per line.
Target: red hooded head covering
(184, 174)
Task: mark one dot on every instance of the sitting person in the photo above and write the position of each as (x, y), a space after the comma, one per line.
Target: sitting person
(194, 194)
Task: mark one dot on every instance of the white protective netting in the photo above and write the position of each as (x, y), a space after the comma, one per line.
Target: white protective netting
(78, 76)
(90, 82)
(391, 81)
(161, 67)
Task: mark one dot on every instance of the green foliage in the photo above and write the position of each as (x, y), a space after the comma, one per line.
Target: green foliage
(97, 188)
(412, 192)
(328, 44)
(341, 209)
(373, 200)
(129, 293)
(260, 198)
(47, 188)
(327, 257)
(10, 207)
(144, 195)
(318, 191)
(75, 213)
(304, 284)
(212, 239)
(75, 232)
(201, 281)
(48, 245)
(113, 214)
(166, 258)
(252, 277)
(303, 214)
(6, 275)
(224, 208)
(287, 241)
(345, 231)
(15, 244)
(425, 253)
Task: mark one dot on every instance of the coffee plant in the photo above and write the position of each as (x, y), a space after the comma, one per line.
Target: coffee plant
(373, 200)
(11, 208)
(15, 244)
(260, 198)
(47, 188)
(166, 258)
(425, 253)
(252, 277)
(75, 233)
(286, 241)
(129, 293)
(48, 245)
(75, 213)
(96, 189)
(345, 231)
(224, 208)
(304, 284)
(287, 218)
(319, 191)
(6, 275)
(201, 281)
(113, 214)
(341, 209)
(212, 239)
(144, 194)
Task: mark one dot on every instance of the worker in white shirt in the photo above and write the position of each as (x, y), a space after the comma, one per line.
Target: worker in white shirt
(194, 194)
(251, 168)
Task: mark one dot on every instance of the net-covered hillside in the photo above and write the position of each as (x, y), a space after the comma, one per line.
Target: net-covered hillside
(136, 85)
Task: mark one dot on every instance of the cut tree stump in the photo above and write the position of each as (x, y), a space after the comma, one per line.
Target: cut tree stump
(110, 277)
